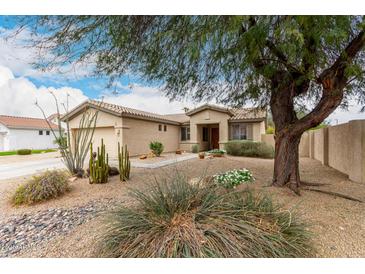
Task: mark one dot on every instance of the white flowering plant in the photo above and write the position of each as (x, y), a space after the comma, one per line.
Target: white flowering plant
(234, 178)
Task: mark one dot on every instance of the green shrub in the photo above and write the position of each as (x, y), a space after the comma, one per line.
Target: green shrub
(156, 147)
(216, 151)
(24, 151)
(249, 149)
(48, 185)
(270, 130)
(175, 218)
(195, 149)
(233, 178)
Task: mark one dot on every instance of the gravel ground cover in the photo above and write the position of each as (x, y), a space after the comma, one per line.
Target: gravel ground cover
(337, 225)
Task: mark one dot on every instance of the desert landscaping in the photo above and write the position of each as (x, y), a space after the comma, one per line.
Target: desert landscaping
(68, 226)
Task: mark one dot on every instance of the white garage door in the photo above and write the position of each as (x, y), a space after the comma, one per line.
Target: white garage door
(108, 135)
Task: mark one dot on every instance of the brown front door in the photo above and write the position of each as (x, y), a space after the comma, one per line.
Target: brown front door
(215, 138)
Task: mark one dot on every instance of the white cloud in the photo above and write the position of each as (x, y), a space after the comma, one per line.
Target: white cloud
(18, 96)
(341, 116)
(147, 99)
(19, 57)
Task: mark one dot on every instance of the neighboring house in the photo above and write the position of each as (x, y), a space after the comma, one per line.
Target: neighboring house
(54, 118)
(24, 132)
(208, 126)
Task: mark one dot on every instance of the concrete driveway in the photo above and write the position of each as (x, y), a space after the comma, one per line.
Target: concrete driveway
(17, 166)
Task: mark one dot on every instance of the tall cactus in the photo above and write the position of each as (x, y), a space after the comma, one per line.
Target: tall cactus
(99, 165)
(124, 163)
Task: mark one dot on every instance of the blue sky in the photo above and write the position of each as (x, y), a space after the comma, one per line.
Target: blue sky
(93, 87)
(21, 84)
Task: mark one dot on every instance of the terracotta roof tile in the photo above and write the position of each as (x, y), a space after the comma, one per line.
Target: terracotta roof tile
(25, 122)
(236, 114)
(130, 111)
(248, 114)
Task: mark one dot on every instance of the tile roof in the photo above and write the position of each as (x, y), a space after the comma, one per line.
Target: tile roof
(179, 118)
(125, 111)
(248, 114)
(25, 122)
(208, 106)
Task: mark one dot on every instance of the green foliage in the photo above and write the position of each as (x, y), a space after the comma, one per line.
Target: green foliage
(195, 148)
(249, 149)
(229, 56)
(24, 151)
(61, 141)
(99, 165)
(124, 163)
(156, 147)
(233, 178)
(48, 185)
(323, 125)
(270, 130)
(217, 151)
(175, 218)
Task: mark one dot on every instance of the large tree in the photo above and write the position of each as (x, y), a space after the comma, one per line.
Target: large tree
(281, 61)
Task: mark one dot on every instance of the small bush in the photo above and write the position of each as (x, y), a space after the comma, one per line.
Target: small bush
(216, 151)
(270, 130)
(249, 149)
(195, 149)
(175, 218)
(233, 178)
(48, 185)
(156, 147)
(24, 152)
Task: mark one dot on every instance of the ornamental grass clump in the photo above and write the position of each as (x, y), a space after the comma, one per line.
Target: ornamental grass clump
(48, 185)
(176, 218)
(233, 178)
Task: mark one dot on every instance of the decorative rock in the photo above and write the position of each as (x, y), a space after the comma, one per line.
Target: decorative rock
(72, 179)
(113, 171)
(21, 231)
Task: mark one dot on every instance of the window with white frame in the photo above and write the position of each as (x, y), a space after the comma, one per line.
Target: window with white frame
(185, 133)
(238, 131)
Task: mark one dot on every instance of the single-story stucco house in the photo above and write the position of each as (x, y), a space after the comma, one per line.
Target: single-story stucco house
(25, 132)
(208, 126)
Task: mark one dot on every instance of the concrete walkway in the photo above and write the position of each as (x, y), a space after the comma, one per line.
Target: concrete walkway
(14, 168)
(163, 163)
(18, 169)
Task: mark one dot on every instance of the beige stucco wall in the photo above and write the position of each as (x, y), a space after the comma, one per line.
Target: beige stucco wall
(208, 117)
(303, 145)
(257, 130)
(339, 142)
(317, 140)
(106, 127)
(357, 153)
(138, 134)
(341, 147)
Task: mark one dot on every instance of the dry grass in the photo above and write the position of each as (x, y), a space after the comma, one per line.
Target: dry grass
(176, 219)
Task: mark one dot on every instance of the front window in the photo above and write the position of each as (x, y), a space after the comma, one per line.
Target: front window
(205, 134)
(239, 131)
(185, 133)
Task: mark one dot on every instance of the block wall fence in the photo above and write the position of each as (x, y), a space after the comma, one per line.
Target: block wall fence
(341, 147)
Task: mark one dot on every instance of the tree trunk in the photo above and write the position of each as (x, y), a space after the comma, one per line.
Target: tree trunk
(286, 165)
